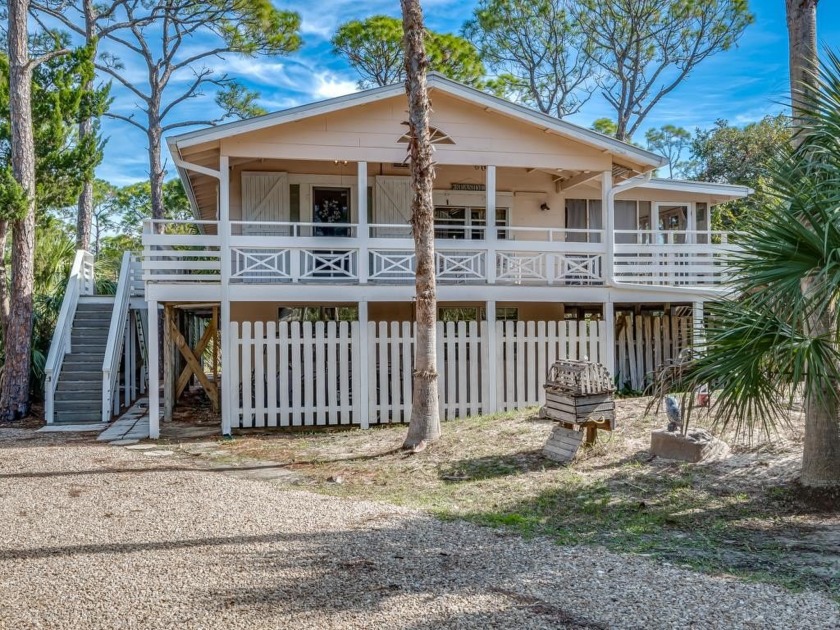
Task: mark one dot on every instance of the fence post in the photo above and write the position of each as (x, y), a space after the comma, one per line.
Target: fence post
(488, 343)
(361, 354)
(609, 337)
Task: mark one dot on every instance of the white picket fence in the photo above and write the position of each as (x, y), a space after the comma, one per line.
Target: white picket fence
(290, 374)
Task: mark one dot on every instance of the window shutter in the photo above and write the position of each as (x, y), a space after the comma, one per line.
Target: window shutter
(265, 197)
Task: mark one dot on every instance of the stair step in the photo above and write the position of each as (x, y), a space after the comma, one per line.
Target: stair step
(67, 417)
(89, 399)
(79, 405)
(79, 376)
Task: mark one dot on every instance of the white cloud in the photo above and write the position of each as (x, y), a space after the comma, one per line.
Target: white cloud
(329, 85)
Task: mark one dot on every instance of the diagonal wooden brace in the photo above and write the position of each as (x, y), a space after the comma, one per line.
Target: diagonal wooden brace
(193, 363)
(184, 378)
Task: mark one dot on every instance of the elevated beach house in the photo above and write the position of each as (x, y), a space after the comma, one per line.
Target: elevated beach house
(288, 296)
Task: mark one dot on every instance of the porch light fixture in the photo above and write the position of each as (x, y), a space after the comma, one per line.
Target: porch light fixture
(544, 207)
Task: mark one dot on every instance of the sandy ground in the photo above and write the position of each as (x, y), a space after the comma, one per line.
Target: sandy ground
(106, 537)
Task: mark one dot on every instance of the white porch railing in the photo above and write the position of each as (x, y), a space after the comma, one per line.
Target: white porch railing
(286, 252)
(116, 337)
(81, 282)
(181, 251)
(672, 258)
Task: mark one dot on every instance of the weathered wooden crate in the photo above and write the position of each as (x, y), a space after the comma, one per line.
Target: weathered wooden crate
(563, 444)
(594, 409)
(579, 396)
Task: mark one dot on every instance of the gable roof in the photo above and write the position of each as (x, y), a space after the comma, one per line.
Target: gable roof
(435, 81)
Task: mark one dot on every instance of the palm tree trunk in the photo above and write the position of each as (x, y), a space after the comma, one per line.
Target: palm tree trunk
(821, 453)
(425, 419)
(802, 51)
(14, 391)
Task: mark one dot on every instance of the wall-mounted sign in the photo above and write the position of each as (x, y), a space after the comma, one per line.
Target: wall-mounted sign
(469, 187)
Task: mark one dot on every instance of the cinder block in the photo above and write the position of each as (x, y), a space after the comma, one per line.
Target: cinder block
(697, 445)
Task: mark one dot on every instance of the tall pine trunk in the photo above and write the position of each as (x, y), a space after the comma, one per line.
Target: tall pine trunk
(425, 419)
(84, 216)
(802, 53)
(156, 171)
(14, 391)
(4, 279)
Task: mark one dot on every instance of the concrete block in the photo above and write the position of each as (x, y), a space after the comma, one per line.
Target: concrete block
(698, 445)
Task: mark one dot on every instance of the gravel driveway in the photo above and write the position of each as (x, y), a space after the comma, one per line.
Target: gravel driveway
(105, 537)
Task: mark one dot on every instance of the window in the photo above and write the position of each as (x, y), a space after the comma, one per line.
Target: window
(583, 214)
(453, 222)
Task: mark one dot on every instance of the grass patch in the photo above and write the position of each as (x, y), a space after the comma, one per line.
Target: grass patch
(723, 518)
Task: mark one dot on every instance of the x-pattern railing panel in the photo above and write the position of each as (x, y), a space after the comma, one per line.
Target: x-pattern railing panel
(261, 264)
(392, 265)
(461, 266)
(329, 264)
(519, 267)
(579, 268)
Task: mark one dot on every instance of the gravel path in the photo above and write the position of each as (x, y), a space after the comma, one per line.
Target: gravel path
(106, 537)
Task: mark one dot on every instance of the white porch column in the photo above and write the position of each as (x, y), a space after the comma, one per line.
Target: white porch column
(698, 332)
(362, 221)
(608, 221)
(489, 404)
(224, 327)
(691, 223)
(154, 379)
(363, 367)
(609, 335)
(490, 233)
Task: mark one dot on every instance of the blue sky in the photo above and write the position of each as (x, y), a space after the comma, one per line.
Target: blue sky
(740, 85)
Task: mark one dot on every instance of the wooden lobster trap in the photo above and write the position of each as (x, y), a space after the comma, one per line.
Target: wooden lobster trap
(579, 397)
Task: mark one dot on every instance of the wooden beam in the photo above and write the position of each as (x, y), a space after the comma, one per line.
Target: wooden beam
(167, 363)
(577, 180)
(187, 353)
(186, 373)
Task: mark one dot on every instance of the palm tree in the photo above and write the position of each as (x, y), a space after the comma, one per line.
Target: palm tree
(424, 426)
(779, 331)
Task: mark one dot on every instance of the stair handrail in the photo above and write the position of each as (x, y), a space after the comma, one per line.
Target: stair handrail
(79, 283)
(111, 360)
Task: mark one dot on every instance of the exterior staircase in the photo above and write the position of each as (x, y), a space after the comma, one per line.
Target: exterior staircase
(91, 372)
(78, 395)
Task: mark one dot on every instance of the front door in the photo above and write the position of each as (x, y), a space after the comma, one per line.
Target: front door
(331, 205)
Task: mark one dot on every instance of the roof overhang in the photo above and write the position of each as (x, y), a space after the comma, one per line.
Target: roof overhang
(726, 192)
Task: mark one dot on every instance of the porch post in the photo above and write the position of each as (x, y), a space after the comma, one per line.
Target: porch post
(363, 233)
(691, 223)
(224, 236)
(490, 232)
(698, 333)
(608, 221)
(154, 381)
(489, 404)
(609, 335)
(168, 363)
(363, 367)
